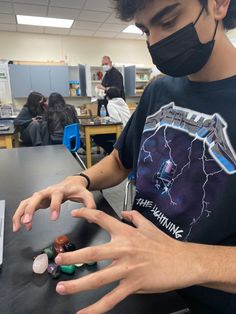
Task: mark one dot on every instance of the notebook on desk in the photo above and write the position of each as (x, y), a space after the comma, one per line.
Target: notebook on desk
(2, 219)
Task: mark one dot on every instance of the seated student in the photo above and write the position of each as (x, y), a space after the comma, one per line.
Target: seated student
(59, 115)
(30, 121)
(118, 111)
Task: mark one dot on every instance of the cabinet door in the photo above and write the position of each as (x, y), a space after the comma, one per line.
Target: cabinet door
(88, 80)
(82, 79)
(40, 79)
(130, 80)
(59, 80)
(20, 80)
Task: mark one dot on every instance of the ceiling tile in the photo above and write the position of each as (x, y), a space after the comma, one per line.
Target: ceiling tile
(98, 5)
(86, 25)
(93, 16)
(105, 34)
(76, 4)
(63, 13)
(30, 29)
(111, 27)
(8, 27)
(6, 7)
(81, 32)
(38, 2)
(57, 31)
(28, 9)
(115, 20)
(7, 18)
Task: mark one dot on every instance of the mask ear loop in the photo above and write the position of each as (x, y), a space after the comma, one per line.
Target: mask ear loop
(199, 16)
(217, 22)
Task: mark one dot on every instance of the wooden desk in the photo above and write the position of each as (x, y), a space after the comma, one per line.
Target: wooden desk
(22, 172)
(94, 129)
(7, 137)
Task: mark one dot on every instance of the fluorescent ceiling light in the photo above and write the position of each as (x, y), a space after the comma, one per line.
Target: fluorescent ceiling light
(132, 29)
(44, 21)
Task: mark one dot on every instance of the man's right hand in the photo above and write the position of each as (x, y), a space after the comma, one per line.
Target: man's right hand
(72, 188)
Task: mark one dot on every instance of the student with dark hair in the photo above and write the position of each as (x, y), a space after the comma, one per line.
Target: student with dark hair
(181, 144)
(118, 111)
(30, 121)
(59, 115)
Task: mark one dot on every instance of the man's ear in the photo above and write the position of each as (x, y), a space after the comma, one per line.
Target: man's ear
(221, 8)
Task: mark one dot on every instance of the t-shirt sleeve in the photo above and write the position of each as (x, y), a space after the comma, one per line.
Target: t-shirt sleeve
(124, 147)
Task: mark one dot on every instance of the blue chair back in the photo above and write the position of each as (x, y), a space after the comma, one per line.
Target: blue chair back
(71, 137)
(71, 140)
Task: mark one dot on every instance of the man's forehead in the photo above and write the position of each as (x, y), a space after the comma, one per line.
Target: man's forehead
(105, 59)
(156, 6)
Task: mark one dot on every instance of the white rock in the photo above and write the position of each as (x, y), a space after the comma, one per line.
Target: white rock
(40, 264)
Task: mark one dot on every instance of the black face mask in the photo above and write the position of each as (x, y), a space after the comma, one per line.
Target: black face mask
(182, 53)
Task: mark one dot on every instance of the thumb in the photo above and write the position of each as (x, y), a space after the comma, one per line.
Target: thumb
(134, 217)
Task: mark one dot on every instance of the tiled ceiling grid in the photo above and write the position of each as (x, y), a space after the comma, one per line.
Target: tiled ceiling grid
(93, 18)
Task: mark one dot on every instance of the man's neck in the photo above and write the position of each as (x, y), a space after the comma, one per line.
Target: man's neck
(221, 65)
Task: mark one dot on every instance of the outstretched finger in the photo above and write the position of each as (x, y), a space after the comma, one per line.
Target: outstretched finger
(137, 219)
(91, 281)
(21, 216)
(109, 223)
(55, 206)
(109, 301)
(93, 254)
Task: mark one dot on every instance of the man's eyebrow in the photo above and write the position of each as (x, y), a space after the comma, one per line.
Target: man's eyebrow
(159, 15)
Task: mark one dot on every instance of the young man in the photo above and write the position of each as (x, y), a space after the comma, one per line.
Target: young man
(180, 142)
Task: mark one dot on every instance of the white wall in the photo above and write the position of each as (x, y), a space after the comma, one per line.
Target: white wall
(73, 49)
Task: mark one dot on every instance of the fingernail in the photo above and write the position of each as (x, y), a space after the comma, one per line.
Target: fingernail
(60, 288)
(27, 218)
(74, 212)
(14, 227)
(54, 215)
(58, 260)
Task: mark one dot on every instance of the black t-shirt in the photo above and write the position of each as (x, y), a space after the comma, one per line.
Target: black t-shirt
(181, 144)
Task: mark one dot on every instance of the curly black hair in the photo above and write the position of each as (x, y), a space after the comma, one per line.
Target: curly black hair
(126, 9)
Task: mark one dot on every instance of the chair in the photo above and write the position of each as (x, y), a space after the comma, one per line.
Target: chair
(71, 140)
(129, 191)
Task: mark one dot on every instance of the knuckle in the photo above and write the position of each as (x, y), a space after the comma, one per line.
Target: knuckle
(96, 281)
(93, 253)
(36, 194)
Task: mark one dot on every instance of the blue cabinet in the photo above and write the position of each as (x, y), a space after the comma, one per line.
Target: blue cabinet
(59, 78)
(40, 79)
(20, 80)
(43, 79)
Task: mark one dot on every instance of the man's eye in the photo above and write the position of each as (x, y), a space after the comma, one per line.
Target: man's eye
(146, 32)
(168, 24)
